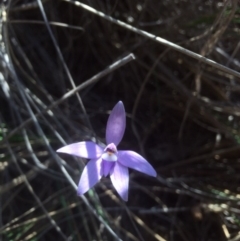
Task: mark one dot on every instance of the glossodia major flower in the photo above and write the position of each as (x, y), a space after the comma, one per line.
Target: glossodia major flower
(109, 161)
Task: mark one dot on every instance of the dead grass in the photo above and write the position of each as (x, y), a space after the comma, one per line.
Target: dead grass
(181, 94)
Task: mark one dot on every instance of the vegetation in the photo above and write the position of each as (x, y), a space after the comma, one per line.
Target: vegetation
(63, 66)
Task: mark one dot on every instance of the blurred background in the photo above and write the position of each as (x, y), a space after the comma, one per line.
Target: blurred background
(182, 116)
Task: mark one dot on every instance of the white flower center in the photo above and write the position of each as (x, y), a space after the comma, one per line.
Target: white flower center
(109, 156)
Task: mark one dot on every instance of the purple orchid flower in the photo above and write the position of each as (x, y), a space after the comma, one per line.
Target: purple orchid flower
(108, 160)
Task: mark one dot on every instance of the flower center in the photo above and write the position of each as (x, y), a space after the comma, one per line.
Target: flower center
(110, 153)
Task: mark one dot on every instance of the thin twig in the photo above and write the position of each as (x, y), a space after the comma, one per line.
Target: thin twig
(64, 65)
(156, 38)
(63, 25)
(88, 82)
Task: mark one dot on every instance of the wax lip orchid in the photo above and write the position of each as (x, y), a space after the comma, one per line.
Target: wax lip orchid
(108, 160)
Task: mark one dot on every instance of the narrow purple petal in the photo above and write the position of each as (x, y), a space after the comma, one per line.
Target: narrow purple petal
(90, 176)
(85, 149)
(133, 160)
(116, 124)
(120, 179)
(106, 167)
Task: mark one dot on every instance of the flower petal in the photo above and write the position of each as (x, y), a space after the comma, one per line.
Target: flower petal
(133, 160)
(106, 167)
(85, 149)
(90, 176)
(116, 124)
(120, 180)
